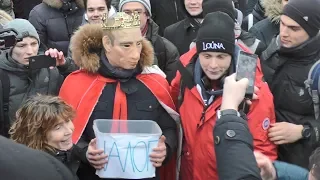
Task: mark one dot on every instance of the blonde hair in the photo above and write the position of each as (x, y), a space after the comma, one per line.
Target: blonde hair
(36, 117)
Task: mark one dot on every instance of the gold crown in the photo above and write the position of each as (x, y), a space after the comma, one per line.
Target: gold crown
(121, 20)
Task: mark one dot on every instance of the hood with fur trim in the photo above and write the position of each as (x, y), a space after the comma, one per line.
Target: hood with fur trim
(4, 18)
(273, 9)
(86, 45)
(57, 4)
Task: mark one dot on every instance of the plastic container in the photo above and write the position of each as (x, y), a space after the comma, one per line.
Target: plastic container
(128, 144)
(146, 127)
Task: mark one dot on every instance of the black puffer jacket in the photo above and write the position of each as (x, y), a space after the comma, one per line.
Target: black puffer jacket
(181, 34)
(72, 158)
(55, 26)
(166, 12)
(267, 29)
(22, 8)
(257, 15)
(250, 6)
(184, 32)
(166, 54)
(286, 70)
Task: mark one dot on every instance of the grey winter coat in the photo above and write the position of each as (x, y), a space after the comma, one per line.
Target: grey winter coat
(25, 83)
(55, 26)
(268, 28)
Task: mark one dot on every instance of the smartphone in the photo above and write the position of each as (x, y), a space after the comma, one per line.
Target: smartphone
(41, 61)
(246, 68)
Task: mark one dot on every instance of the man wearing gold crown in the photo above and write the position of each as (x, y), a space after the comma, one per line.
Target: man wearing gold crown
(116, 80)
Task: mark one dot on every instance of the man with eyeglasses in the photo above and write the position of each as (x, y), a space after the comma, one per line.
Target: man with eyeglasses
(166, 54)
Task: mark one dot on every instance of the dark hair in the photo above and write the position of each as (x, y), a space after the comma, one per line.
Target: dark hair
(108, 3)
(314, 163)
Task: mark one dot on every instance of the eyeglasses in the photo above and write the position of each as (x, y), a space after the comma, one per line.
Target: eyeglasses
(131, 12)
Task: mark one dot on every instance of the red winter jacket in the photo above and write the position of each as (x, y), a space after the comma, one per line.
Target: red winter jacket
(198, 161)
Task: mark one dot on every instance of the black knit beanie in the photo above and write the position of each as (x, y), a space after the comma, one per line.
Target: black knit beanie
(225, 6)
(216, 34)
(305, 13)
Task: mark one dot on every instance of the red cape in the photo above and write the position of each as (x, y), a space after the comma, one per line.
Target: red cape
(82, 91)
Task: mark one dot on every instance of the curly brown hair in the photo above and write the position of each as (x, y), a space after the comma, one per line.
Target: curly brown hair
(36, 117)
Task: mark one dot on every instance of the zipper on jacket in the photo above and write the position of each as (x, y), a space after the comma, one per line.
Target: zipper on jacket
(175, 5)
(203, 114)
(67, 25)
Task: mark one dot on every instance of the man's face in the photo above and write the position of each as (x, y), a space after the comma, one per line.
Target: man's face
(131, 7)
(23, 50)
(214, 64)
(126, 49)
(291, 33)
(95, 10)
(194, 7)
(284, 2)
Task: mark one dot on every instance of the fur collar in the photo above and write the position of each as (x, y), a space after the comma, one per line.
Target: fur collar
(273, 9)
(58, 3)
(87, 42)
(4, 18)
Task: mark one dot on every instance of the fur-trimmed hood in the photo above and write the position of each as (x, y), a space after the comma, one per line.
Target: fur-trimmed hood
(86, 44)
(57, 4)
(4, 18)
(273, 9)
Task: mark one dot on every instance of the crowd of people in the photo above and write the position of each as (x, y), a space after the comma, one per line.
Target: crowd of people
(173, 62)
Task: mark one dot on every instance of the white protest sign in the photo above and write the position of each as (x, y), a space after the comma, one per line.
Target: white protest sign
(128, 154)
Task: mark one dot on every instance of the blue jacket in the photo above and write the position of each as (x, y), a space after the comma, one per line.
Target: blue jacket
(287, 171)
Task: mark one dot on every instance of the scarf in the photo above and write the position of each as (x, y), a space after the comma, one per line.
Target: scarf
(303, 52)
(124, 86)
(108, 71)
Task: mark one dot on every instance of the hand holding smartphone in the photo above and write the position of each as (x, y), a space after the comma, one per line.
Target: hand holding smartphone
(246, 68)
(41, 61)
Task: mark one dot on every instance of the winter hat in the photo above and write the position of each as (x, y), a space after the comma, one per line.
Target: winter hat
(146, 4)
(225, 6)
(24, 28)
(305, 13)
(216, 34)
